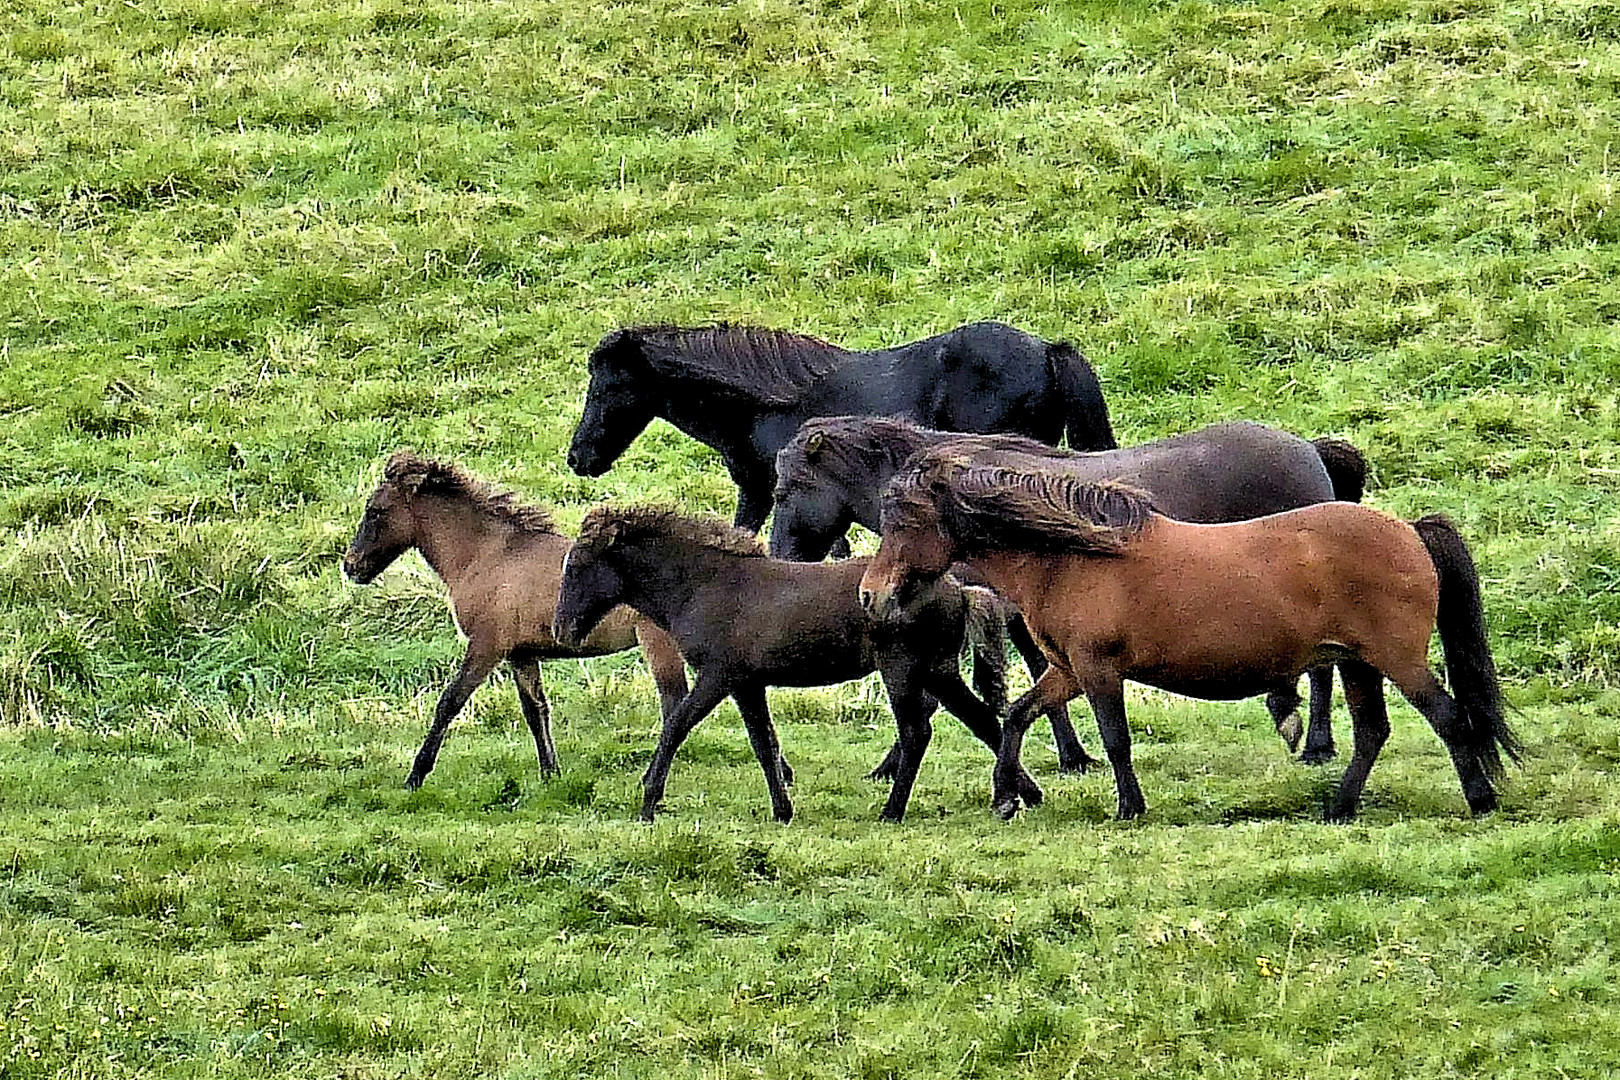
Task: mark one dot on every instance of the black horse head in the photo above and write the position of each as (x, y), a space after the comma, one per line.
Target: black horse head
(617, 408)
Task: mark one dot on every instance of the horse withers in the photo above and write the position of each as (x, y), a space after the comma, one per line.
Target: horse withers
(1114, 591)
(744, 391)
(501, 560)
(832, 473)
(746, 622)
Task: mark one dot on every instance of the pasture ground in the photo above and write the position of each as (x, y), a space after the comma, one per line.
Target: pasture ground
(251, 247)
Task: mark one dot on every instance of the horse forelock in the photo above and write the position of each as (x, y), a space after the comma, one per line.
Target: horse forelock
(606, 525)
(412, 475)
(849, 448)
(984, 507)
(771, 366)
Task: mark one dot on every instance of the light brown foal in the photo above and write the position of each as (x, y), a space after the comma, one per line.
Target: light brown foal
(502, 562)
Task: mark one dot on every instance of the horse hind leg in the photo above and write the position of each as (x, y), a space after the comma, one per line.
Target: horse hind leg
(536, 712)
(1364, 693)
(1283, 704)
(1440, 709)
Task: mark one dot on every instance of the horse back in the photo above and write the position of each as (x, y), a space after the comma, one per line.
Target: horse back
(1222, 473)
(508, 602)
(1216, 611)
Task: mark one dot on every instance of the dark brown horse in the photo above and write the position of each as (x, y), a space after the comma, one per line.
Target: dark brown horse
(501, 560)
(1114, 591)
(746, 622)
(745, 390)
(833, 471)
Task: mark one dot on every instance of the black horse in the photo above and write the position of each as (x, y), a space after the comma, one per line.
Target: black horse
(834, 470)
(745, 391)
(745, 622)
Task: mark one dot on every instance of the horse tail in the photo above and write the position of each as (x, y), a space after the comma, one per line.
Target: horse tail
(1346, 467)
(1469, 667)
(1085, 413)
(987, 638)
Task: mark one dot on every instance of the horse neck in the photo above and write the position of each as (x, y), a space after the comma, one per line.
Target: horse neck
(663, 575)
(453, 538)
(863, 486)
(1020, 576)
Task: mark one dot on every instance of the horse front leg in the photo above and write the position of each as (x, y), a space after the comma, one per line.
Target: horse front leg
(1072, 756)
(475, 668)
(1108, 703)
(962, 703)
(754, 501)
(1054, 687)
(710, 690)
(912, 708)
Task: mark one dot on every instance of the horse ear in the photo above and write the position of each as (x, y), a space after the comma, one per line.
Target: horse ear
(812, 446)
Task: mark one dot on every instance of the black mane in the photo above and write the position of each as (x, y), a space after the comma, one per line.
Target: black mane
(606, 524)
(773, 367)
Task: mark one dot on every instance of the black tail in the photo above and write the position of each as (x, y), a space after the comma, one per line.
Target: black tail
(1469, 667)
(987, 637)
(1085, 413)
(1346, 467)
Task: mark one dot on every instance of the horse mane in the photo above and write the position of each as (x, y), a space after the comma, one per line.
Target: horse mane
(415, 475)
(990, 506)
(605, 524)
(773, 367)
(849, 446)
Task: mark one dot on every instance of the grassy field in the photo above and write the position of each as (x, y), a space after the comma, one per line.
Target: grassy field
(247, 248)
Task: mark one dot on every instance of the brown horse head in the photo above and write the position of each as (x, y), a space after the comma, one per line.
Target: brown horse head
(392, 525)
(947, 507)
(387, 529)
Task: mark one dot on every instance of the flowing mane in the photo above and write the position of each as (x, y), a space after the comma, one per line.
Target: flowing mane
(850, 447)
(413, 475)
(771, 366)
(605, 524)
(995, 506)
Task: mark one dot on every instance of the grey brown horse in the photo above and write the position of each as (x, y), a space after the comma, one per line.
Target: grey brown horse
(832, 472)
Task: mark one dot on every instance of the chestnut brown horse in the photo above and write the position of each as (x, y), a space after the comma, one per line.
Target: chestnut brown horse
(502, 561)
(1114, 591)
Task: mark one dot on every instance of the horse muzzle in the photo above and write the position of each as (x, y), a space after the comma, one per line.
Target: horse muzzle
(878, 603)
(589, 466)
(566, 632)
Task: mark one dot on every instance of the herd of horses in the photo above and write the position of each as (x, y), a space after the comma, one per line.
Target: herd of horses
(1218, 564)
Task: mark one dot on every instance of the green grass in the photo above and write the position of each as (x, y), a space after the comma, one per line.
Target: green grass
(249, 248)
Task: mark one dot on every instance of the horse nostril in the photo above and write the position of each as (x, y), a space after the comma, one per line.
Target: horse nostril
(866, 600)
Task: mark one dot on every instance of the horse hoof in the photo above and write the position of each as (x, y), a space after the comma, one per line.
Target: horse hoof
(1484, 804)
(1318, 756)
(1291, 731)
(1079, 766)
(1006, 808)
(1030, 792)
(412, 782)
